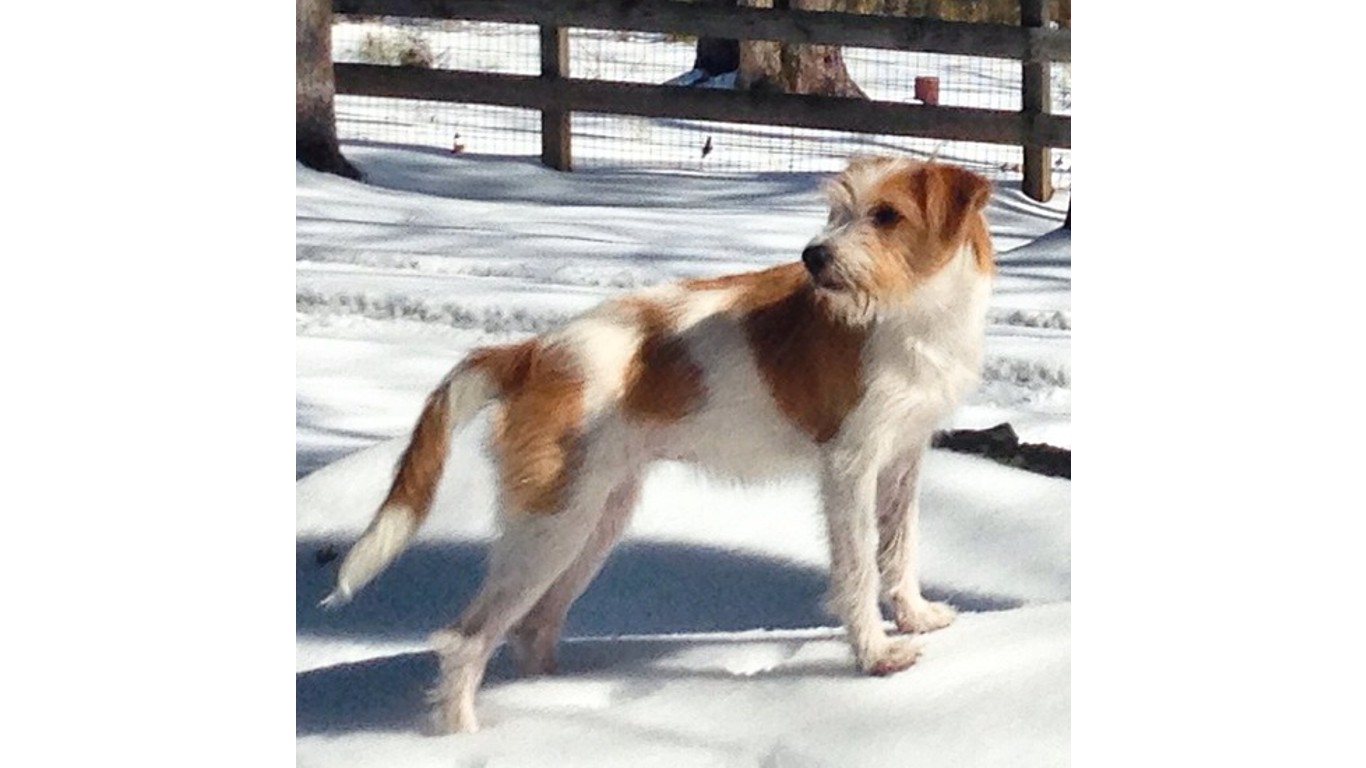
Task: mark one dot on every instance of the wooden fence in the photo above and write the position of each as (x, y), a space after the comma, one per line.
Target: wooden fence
(556, 95)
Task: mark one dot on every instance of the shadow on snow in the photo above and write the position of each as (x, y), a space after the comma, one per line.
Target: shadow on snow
(645, 589)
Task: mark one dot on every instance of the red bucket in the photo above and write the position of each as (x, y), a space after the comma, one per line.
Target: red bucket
(927, 90)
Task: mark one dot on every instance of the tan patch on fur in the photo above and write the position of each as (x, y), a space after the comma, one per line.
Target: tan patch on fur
(537, 427)
(507, 366)
(810, 361)
(419, 469)
(953, 199)
(755, 289)
(939, 209)
(662, 383)
(980, 238)
(902, 252)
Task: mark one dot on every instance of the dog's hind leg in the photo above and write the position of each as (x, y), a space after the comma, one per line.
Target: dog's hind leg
(533, 639)
(533, 550)
(898, 520)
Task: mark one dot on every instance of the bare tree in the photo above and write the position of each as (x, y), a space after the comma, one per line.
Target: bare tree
(765, 65)
(797, 67)
(315, 125)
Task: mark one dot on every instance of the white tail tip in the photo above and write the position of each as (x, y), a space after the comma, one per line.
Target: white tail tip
(337, 599)
(388, 533)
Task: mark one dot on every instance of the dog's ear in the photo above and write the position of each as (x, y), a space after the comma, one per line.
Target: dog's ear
(949, 195)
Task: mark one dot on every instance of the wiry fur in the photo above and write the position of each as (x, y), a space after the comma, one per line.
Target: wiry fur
(839, 370)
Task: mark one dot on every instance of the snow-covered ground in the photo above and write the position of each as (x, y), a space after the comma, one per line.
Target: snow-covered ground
(703, 642)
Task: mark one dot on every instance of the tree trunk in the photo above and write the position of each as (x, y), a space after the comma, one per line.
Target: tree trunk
(795, 67)
(315, 125)
(717, 55)
(765, 65)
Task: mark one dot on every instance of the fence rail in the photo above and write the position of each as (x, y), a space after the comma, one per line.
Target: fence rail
(576, 95)
(556, 95)
(1000, 41)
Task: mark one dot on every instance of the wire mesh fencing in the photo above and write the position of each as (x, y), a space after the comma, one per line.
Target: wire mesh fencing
(696, 146)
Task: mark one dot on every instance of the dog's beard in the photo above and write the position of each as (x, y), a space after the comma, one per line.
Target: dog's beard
(830, 281)
(847, 304)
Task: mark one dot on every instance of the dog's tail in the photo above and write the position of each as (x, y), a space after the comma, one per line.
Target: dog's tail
(461, 395)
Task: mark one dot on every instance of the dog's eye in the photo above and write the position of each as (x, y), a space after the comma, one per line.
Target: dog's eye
(885, 216)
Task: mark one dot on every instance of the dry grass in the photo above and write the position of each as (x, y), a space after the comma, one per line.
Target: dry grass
(395, 48)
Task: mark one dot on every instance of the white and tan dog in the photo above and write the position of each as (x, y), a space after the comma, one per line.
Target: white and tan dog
(839, 367)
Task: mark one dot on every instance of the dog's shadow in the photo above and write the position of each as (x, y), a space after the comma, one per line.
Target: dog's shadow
(645, 589)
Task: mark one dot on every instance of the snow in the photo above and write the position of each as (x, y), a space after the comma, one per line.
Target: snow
(742, 699)
(704, 641)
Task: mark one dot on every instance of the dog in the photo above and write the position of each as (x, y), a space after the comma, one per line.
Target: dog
(838, 366)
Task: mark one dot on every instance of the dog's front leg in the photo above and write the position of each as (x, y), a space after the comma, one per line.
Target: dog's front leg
(898, 522)
(849, 496)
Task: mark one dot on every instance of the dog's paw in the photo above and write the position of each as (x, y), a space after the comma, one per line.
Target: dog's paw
(461, 660)
(448, 718)
(451, 713)
(898, 655)
(921, 615)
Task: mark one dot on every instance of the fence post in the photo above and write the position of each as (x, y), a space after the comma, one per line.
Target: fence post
(1037, 100)
(555, 133)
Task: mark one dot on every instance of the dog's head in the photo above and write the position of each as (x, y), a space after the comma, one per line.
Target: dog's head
(894, 224)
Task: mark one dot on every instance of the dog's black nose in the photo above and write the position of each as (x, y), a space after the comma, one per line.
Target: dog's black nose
(815, 257)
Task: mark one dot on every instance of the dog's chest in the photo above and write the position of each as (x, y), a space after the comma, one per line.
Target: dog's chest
(918, 368)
